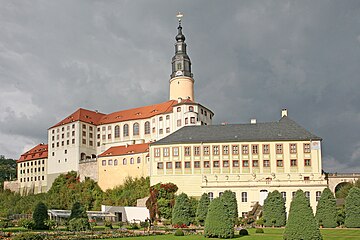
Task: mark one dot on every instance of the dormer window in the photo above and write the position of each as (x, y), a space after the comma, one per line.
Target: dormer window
(178, 109)
(191, 109)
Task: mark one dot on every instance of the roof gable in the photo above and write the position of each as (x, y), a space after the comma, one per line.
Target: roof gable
(126, 150)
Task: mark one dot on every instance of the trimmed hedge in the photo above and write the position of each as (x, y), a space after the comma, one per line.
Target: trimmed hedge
(326, 209)
(274, 210)
(352, 208)
(40, 215)
(202, 209)
(229, 200)
(179, 232)
(181, 213)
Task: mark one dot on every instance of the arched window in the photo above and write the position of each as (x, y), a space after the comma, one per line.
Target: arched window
(126, 130)
(211, 196)
(136, 129)
(138, 160)
(147, 127)
(117, 131)
(191, 109)
(178, 109)
(124, 161)
(131, 160)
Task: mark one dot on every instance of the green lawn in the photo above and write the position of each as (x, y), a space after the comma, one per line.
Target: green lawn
(270, 234)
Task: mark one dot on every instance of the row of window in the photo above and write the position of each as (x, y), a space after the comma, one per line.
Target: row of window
(31, 170)
(67, 135)
(244, 195)
(235, 163)
(114, 162)
(32, 163)
(30, 179)
(234, 149)
(68, 128)
(67, 143)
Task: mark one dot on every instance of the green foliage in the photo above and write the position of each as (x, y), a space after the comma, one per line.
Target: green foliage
(343, 190)
(77, 211)
(128, 193)
(260, 221)
(40, 215)
(78, 224)
(7, 170)
(108, 224)
(229, 200)
(161, 200)
(340, 215)
(26, 223)
(179, 232)
(29, 236)
(326, 209)
(181, 213)
(202, 209)
(51, 224)
(274, 210)
(301, 223)
(259, 230)
(352, 208)
(193, 207)
(243, 232)
(219, 222)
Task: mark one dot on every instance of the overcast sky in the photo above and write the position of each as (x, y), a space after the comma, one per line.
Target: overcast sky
(250, 59)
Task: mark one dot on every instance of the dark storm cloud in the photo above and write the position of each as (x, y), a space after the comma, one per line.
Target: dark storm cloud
(250, 59)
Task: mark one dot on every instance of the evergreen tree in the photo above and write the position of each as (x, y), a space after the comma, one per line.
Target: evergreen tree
(77, 211)
(274, 210)
(40, 215)
(181, 213)
(229, 199)
(219, 222)
(326, 209)
(301, 224)
(352, 208)
(202, 209)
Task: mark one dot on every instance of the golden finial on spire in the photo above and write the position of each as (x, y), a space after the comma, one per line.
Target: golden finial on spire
(179, 16)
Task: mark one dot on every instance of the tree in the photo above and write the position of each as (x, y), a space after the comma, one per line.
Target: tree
(77, 211)
(40, 216)
(181, 213)
(78, 220)
(326, 209)
(202, 209)
(301, 223)
(274, 210)
(229, 200)
(352, 208)
(219, 222)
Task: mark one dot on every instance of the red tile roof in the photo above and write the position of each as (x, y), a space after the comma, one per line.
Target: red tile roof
(38, 152)
(126, 150)
(82, 115)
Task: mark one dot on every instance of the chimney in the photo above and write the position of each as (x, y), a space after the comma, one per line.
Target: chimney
(284, 112)
(253, 121)
(179, 99)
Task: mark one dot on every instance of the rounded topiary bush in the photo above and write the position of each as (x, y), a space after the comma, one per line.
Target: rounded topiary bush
(259, 230)
(179, 232)
(243, 232)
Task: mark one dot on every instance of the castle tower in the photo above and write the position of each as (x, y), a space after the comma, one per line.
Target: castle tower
(181, 82)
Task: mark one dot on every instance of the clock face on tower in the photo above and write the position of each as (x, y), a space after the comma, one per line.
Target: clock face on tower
(179, 73)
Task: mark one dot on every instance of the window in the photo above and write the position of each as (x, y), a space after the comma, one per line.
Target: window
(90, 128)
(98, 136)
(216, 164)
(160, 119)
(266, 163)
(166, 152)
(279, 163)
(266, 149)
(103, 137)
(147, 127)
(109, 136)
(235, 163)
(90, 135)
(306, 178)
(245, 163)
(226, 163)
(161, 131)
(196, 151)
(83, 141)
(157, 152)
(226, 150)
(178, 122)
(153, 130)
(284, 196)
(244, 197)
(175, 151)
(318, 195)
(115, 162)
(221, 193)
(293, 148)
(307, 162)
(187, 151)
(73, 141)
(103, 128)
(191, 108)
(307, 194)
(235, 149)
(131, 160)
(177, 165)
(126, 130)
(255, 149)
(192, 120)
(109, 128)
(110, 162)
(73, 133)
(138, 160)
(206, 164)
(187, 164)
(206, 150)
(167, 130)
(279, 148)
(216, 150)
(160, 165)
(103, 162)
(293, 162)
(197, 164)
(124, 161)
(293, 194)
(169, 165)
(255, 163)
(186, 121)
(245, 149)
(117, 131)
(136, 129)
(178, 109)
(211, 196)
(167, 117)
(307, 148)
